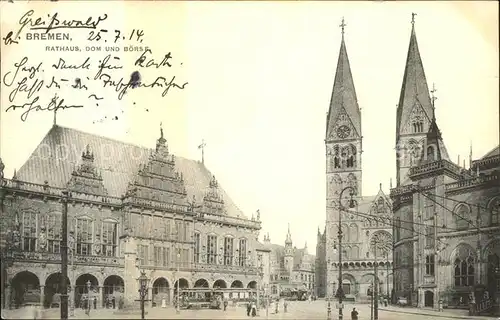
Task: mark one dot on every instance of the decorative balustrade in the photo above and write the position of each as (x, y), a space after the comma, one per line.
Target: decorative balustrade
(45, 257)
(486, 162)
(471, 182)
(48, 190)
(157, 205)
(235, 221)
(205, 267)
(436, 165)
(402, 190)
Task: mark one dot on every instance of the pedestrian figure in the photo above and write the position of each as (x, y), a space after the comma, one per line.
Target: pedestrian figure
(285, 306)
(277, 303)
(354, 314)
(254, 309)
(249, 308)
(95, 302)
(225, 304)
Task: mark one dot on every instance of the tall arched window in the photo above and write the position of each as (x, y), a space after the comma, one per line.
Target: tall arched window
(351, 156)
(344, 156)
(353, 230)
(494, 209)
(336, 157)
(29, 230)
(430, 153)
(464, 263)
(462, 216)
(355, 252)
(345, 233)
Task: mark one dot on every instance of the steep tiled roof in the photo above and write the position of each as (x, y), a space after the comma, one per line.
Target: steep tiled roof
(414, 89)
(60, 152)
(494, 152)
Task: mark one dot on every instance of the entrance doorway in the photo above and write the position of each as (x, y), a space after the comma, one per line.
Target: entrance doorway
(429, 299)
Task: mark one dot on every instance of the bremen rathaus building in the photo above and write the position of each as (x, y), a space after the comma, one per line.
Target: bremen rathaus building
(130, 209)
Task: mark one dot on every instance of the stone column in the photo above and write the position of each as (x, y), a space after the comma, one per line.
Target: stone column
(42, 295)
(7, 298)
(171, 296)
(131, 272)
(150, 297)
(99, 297)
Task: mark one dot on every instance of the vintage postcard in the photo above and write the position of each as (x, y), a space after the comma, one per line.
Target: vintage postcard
(230, 160)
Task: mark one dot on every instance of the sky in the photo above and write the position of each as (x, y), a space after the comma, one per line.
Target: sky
(260, 76)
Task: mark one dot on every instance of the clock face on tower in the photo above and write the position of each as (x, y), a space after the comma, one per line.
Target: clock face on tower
(343, 131)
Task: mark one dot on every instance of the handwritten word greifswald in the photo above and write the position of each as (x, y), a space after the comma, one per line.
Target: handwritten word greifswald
(53, 22)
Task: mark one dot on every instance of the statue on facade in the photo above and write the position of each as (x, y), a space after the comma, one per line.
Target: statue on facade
(42, 240)
(97, 245)
(16, 234)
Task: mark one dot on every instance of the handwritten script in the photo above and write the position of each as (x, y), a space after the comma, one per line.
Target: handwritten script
(78, 76)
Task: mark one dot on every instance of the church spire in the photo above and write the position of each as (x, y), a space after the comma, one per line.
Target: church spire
(288, 236)
(343, 98)
(434, 148)
(414, 90)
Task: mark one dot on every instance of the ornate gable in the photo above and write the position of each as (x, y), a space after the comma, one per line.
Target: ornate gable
(213, 201)
(417, 121)
(86, 178)
(158, 180)
(342, 122)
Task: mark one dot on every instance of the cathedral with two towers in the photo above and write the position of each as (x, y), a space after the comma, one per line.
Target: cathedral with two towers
(444, 217)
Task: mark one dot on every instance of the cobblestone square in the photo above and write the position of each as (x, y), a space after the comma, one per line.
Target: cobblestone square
(296, 310)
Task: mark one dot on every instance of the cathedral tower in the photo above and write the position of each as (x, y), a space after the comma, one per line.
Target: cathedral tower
(414, 112)
(343, 149)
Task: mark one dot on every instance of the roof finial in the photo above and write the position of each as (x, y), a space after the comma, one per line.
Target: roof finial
(434, 90)
(380, 185)
(161, 130)
(458, 160)
(202, 147)
(342, 26)
(413, 14)
(55, 117)
(390, 183)
(470, 155)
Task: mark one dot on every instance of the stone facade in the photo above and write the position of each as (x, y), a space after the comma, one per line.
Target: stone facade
(446, 226)
(290, 268)
(130, 209)
(369, 219)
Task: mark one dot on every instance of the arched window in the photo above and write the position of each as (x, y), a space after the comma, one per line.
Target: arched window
(84, 236)
(351, 156)
(494, 209)
(380, 205)
(464, 263)
(430, 153)
(344, 156)
(354, 232)
(28, 230)
(429, 265)
(336, 157)
(462, 216)
(197, 247)
(355, 252)
(345, 233)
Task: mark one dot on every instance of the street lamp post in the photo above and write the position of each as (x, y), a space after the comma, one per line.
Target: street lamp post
(177, 310)
(387, 276)
(88, 296)
(340, 291)
(261, 278)
(71, 246)
(64, 257)
(143, 291)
